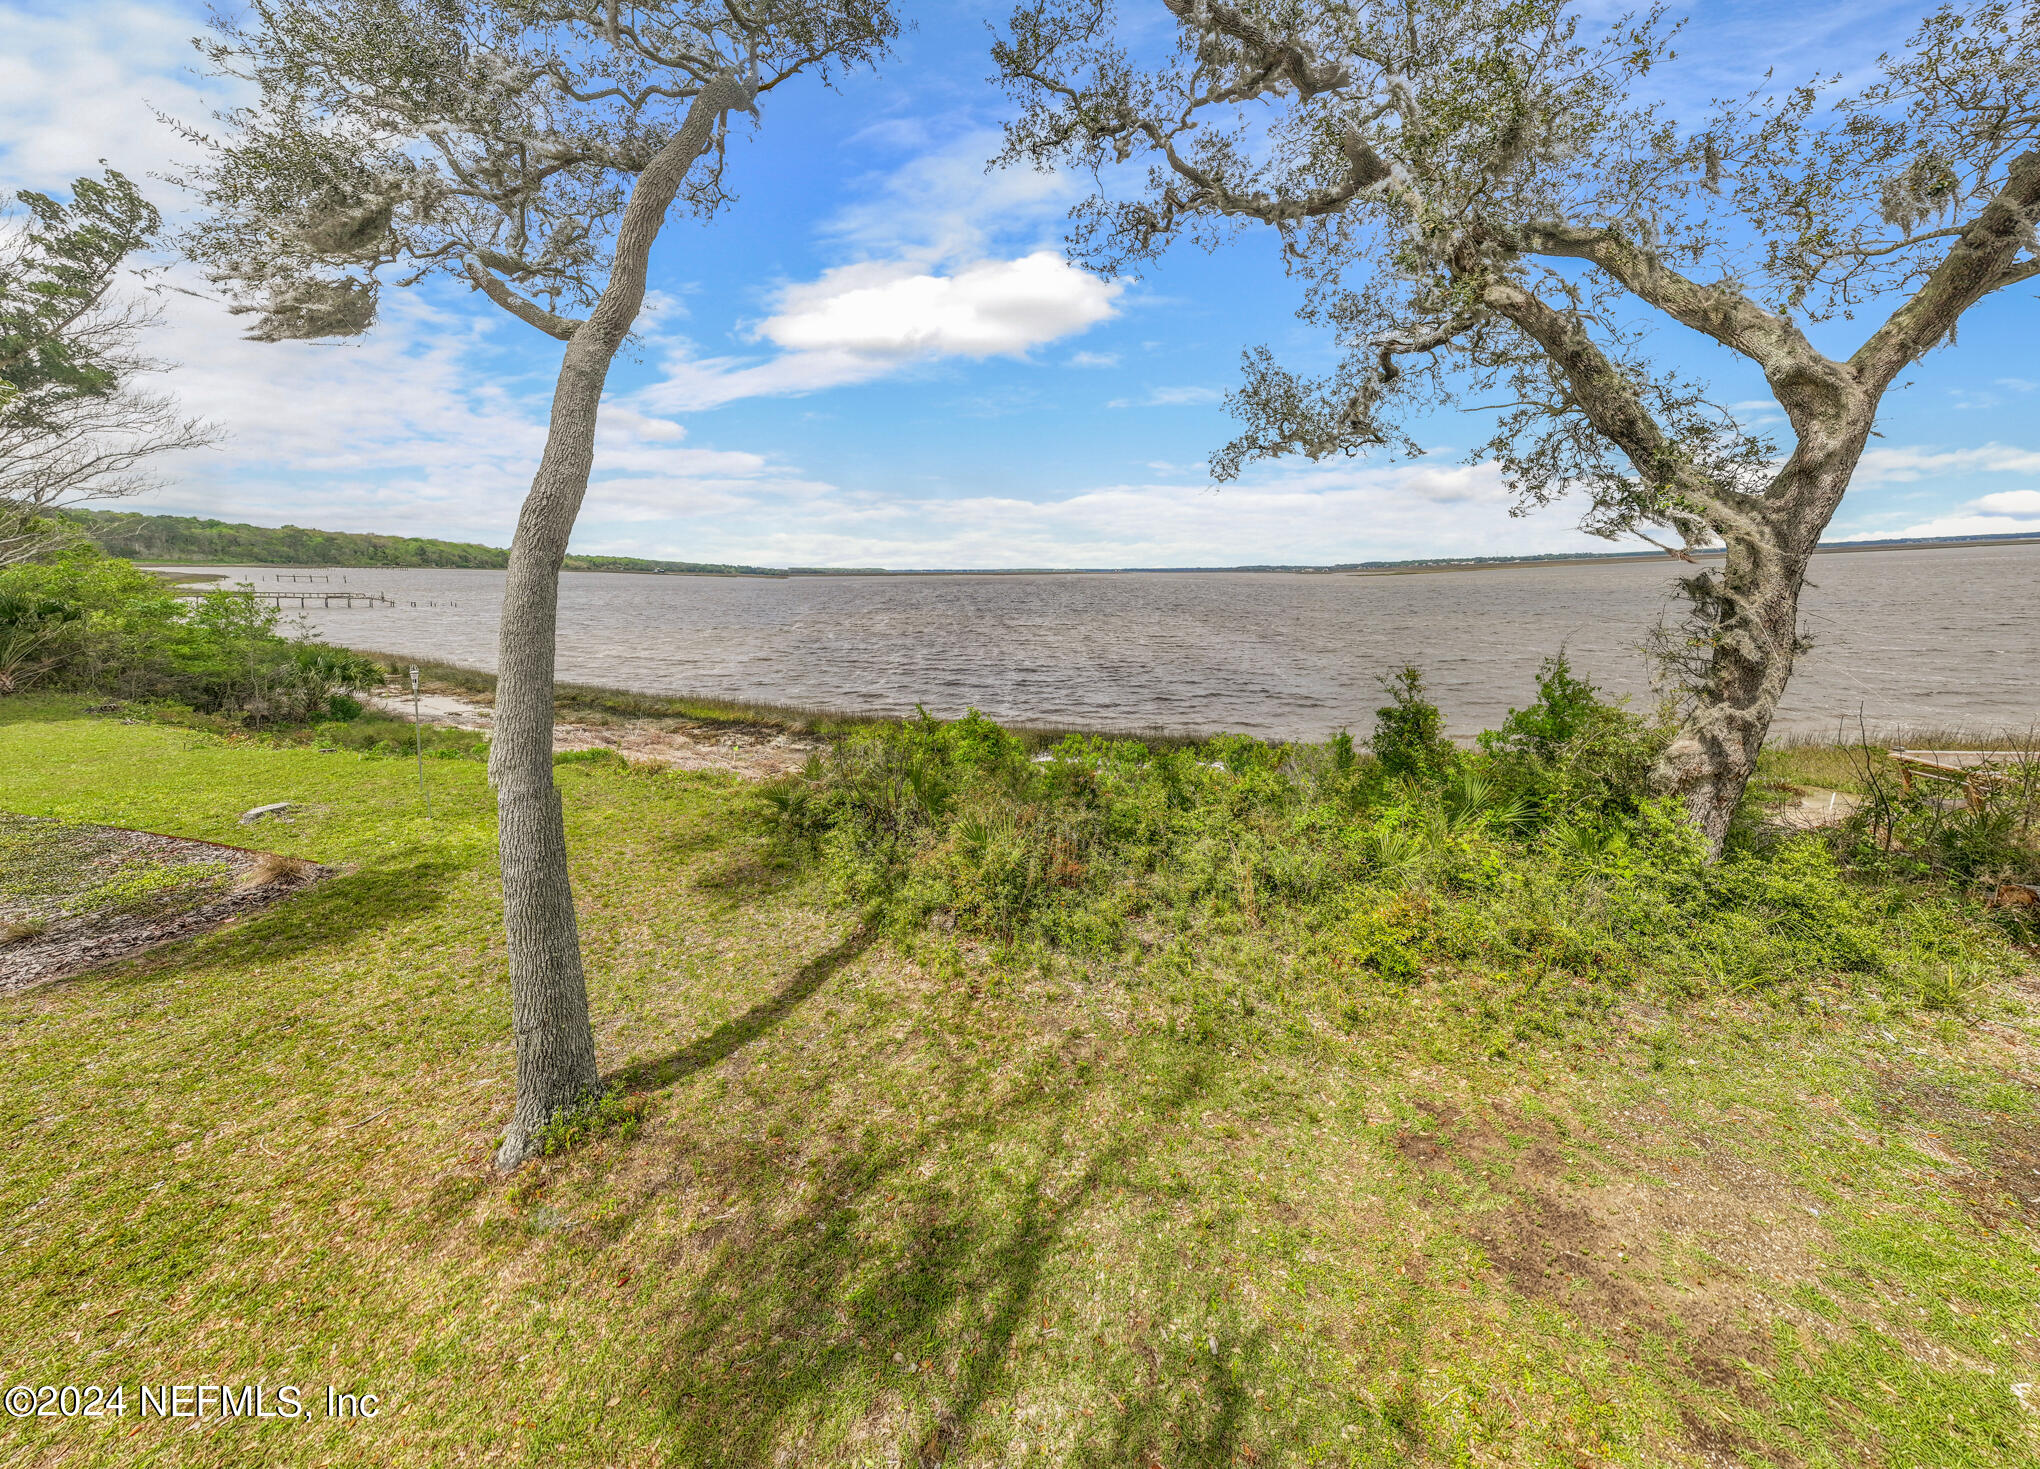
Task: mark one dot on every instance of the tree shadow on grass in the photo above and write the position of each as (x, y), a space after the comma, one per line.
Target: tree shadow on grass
(915, 1314)
(335, 912)
(670, 1070)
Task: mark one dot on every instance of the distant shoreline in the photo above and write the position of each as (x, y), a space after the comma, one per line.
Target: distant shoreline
(1361, 568)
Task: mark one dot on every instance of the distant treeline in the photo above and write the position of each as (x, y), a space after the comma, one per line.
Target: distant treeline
(190, 541)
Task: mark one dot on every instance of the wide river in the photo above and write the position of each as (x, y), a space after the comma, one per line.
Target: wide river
(1905, 640)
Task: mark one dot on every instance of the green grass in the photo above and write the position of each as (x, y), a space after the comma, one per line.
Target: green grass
(890, 1199)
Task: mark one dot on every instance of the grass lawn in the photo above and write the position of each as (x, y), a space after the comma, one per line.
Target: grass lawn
(937, 1201)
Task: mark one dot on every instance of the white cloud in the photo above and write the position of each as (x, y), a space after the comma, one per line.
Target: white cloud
(2011, 502)
(85, 83)
(944, 204)
(1905, 465)
(871, 320)
(996, 308)
(2005, 512)
(1956, 525)
(1092, 359)
(928, 280)
(1184, 397)
(1291, 515)
(2018, 384)
(426, 426)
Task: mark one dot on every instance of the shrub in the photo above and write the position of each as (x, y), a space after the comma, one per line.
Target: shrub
(1093, 845)
(84, 620)
(1573, 759)
(1565, 706)
(1409, 740)
(1986, 833)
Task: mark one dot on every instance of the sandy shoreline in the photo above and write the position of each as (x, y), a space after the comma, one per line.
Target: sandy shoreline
(754, 751)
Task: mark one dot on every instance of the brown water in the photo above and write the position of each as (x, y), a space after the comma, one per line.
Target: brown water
(1907, 638)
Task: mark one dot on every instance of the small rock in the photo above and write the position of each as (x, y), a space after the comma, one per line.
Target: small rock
(274, 808)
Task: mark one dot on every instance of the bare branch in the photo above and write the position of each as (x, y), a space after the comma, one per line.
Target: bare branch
(529, 312)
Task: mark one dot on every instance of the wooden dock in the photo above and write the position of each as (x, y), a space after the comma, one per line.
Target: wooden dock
(299, 599)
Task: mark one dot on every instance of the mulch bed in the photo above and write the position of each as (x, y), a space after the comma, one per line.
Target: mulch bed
(75, 897)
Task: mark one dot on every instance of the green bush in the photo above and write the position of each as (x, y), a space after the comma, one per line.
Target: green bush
(83, 620)
(1573, 759)
(1540, 854)
(1409, 733)
(1565, 707)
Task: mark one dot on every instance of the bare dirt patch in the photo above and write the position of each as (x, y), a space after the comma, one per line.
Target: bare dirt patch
(1697, 1266)
(75, 897)
(754, 751)
(1999, 1182)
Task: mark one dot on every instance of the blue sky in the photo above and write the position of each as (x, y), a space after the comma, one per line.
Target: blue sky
(879, 357)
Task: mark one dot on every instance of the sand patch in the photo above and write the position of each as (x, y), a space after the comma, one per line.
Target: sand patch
(753, 751)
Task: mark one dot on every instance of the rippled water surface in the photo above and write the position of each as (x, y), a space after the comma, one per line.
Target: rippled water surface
(1910, 638)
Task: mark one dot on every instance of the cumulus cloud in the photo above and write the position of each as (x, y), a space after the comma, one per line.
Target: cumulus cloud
(928, 280)
(2004, 512)
(2011, 502)
(996, 308)
(865, 321)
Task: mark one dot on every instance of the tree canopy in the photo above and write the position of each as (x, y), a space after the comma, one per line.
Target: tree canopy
(495, 142)
(74, 425)
(1479, 197)
(1485, 204)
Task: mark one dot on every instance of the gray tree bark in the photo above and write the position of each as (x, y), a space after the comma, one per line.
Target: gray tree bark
(1747, 615)
(1752, 605)
(556, 1067)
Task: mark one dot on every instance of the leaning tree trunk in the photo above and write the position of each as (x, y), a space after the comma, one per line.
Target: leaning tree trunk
(1746, 625)
(548, 991)
(1746, 620)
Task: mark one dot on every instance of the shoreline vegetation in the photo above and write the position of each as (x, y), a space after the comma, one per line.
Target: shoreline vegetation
(978, 1095)
(1046, 1101)
(580, 703)
(177, 540)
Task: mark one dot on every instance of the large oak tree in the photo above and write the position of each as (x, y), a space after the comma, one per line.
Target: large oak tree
(1481, 202)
